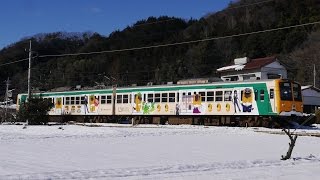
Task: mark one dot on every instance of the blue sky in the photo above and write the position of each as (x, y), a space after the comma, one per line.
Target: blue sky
(21, 18)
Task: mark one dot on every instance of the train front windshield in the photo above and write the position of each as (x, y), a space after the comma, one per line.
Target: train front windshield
(297, 92)
(290, 91)
(285, 91)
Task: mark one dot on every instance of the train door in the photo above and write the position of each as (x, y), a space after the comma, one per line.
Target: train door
(186, 106)
(271, 99)
(262, 100)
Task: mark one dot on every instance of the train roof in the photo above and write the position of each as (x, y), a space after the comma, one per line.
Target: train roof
(169, 87)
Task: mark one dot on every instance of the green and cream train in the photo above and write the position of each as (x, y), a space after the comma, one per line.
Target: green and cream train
(254, 103)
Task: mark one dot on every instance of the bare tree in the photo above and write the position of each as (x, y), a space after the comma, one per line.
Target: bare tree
(292, 143)
(293, 137)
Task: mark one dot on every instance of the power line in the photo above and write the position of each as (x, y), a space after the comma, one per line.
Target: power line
(246, 5)
(181, 43)
(169, 44)
(14, 62)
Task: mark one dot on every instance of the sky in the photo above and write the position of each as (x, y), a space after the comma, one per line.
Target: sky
(23, 18)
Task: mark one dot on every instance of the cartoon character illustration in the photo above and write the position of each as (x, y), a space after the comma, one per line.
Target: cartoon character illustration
(196, 103)
(247, 100)
(96, 101)
(177, 109)
(210, 107)
(73, 109)
(58, 103)
(158, 108)
(166, 108)
(137, 101)
(219, 107)
(85, 101)
(228, 107)
(93, 103)
(236, 101)
(147, 107)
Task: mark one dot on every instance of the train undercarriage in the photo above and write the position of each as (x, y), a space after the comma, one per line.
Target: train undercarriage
(235, 121)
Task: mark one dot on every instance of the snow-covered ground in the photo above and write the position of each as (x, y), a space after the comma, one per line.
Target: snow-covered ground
(153, 152)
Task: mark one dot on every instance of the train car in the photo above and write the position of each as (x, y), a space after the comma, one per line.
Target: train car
(253, 103)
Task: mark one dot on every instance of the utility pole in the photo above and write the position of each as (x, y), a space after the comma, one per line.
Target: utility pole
(29, 72)
(314, 75)
(6, 99)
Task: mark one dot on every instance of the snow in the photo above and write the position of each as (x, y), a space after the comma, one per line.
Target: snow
(154, 152)
(236, 67)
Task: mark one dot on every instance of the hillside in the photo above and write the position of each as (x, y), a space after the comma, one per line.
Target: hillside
(296, 47)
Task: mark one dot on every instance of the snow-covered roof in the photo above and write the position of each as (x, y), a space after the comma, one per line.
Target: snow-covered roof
(310, 87)
(248, 65)
(237, 67)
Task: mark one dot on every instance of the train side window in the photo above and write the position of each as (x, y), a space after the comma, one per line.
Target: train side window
(67, 100)
(82, 100)
(72, 100)
(178, 97)
(210, 96)
(172, 97)
(219, 95)
(125, 98)
(241, 95)
(261, 95)
(271, 93)
(130, 97)
(109, 99)
(164, 97)
(203, 96)
(119, 99)
(144, 98)
(103, 99)
(256, 95)
(150, 97)
(157, 97)
(78, 100)
(228, 96)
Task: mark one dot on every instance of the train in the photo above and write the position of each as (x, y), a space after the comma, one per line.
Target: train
(247, 103)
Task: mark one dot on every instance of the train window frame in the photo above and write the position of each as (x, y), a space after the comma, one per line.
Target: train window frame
(218, 96)
(77, 100)
(271, 93)
(67, 100)
(296, 92)
(109, 99)
(256, 94)
(119, 99)
(150, 97)
(285, 91)
(164, 98)
(172, 97)
(157, 97)
(103, 99)
(229, 96)
(210, 96)
(203, 96)
(262, 94)
(178, 97)
(125, 99)
(72, 100)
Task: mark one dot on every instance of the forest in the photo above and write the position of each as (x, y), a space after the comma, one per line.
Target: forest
(137, 55)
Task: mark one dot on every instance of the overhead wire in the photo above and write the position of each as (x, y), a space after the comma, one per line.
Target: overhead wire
(167, 45)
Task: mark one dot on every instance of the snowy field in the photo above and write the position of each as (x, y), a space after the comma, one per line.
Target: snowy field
(153, 152)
